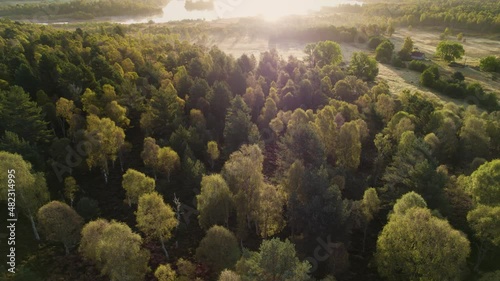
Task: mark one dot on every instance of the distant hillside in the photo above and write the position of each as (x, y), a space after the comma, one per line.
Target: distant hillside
(45, 10)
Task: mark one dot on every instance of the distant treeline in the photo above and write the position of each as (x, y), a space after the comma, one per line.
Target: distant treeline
(318, 33)
(483, 15)
(83, 9)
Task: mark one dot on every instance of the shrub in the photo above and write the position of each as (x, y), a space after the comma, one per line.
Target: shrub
(458, 76)
(384, 51)
(398, 62)
(490, 64)
(417, 66)
(374, 41)
(429, 77)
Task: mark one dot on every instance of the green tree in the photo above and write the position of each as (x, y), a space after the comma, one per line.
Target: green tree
(363, 66)
(408, 201)
(228, 275)
(105, 140)
(70, 189)
(485, 183)
(65, 109)
(384, 51)
(370, 205)
(429, 77)
(275, 260)
(268, 214)
(117, 113)
(60, 223)
(243, 174)
(168, 161)
(163, 112)
(31, 188)
(164, 272)
(405, 52)
(349, 146)
(474, 139)
(219, 249)
(385, 107)
(238, 125)
(490, 64)
(215, 202)
(418, 246)
(213, 152)
(119, 253)
(449, 51)
(324, 53)
(20, 115)
(269, 111)
(414, 169)
(91, 235)
(136, 184)
(11, 142)
(149, 154)
(485, 221)
(155, 218)
(327, 129)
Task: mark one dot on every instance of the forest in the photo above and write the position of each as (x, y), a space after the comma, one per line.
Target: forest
(141, 155)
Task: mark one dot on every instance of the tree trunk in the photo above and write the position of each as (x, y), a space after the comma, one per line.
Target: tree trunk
(168, 176)
(62, 127)
(105, 174)
(164, 248)
(71, 202)
(481, 252)
(120, 157)
(129, 202)
(66, 248)
(35, 231)
(364, 236)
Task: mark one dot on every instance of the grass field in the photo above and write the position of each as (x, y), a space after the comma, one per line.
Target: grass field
(398, 78)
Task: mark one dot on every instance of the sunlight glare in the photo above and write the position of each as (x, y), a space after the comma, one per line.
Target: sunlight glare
(273, 10)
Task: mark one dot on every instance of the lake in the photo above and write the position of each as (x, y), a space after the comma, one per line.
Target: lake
(270, 10)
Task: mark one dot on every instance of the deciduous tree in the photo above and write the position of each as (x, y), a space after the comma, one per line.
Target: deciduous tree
(485, 183)
(418, 246)
(168, 161)
(275, 260)
(363, 66)
(149, 154)
(31, 188)
(105, 139)
(164, 272)
(136, 184)
(219, 249)
(91, 234)
(485, 221)
(119, 253)
(60, 223)
(213, 152)
(215, 202)
(155, 218)
(228, 275)
(450, 51)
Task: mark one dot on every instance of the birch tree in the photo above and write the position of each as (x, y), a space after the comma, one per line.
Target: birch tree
(155, 218)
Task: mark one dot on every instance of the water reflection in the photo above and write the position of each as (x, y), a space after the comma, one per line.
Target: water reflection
(268, 9)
